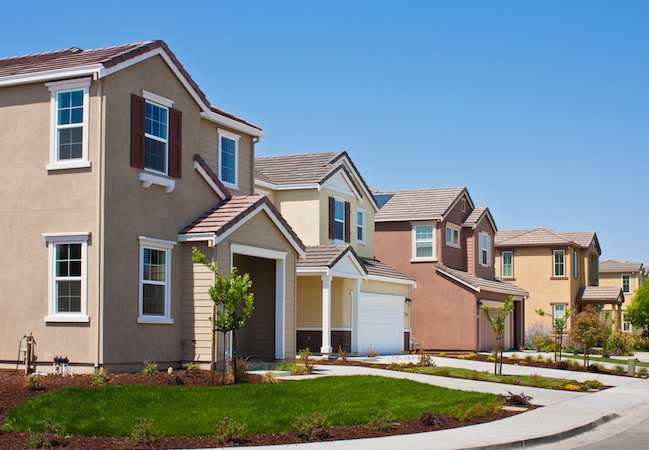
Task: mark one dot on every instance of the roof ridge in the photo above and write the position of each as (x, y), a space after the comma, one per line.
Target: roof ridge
(422, 189)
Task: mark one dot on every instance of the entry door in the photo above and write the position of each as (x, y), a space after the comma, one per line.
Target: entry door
(380, 323)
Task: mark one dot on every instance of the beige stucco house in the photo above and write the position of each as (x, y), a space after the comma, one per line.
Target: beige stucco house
(114, 164)
(559, 270)
(346, 298)
(622, 274)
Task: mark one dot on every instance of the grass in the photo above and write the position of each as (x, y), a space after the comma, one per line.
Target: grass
(524, 380)
(594, 359)
(263, 408)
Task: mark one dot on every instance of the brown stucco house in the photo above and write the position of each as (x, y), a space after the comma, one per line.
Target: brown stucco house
(438, 237)
(114, 164)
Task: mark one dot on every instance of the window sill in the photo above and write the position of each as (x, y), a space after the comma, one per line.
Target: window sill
(417, 260)
(362, 242)
(63, 165)
(454, 246)
(148, 179)
(230, 185)
(558, 278)
(339, 242)
(155, 320)
(62, 318)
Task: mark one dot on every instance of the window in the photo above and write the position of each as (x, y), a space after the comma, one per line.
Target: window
(68, 256)
(558, 311)
(156, 137)
(559, 269)
(339, 220)
(228, 158)
(484, 249)
(575, 265)
(155, 281)
(69, 137)
(424, 242)
(626, 325)
(508, 264)
(360, 226)
(463, 205)
(626, 284)
(452, 235)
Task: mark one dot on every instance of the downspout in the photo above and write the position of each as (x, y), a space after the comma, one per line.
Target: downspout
(99, 237)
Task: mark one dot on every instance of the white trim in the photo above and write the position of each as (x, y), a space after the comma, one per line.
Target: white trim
(149, 179)
(164, 140)
(286, 187)
(364, 214)
(453, 227)
(167, 247)
(554, 264)
(347, 162)
(502, 264)
(352, 189)
(233, 137)
(67, 318)
(384, 296)
(409, 219)
(13, 80)
(258, 252)
(62, 237)
(155, 98)
(161, 243)
(416, 258)
(196, 237)
(305, 271)
(69, 164)
(320, 328)
(209, 180)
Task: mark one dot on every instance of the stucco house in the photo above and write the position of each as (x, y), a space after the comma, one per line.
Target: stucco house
(625, 274)
(559, 270)
(440, 239)
(114, 164)
(346, 298)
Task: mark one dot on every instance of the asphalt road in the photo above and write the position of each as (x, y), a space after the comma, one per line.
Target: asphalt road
(636, 437)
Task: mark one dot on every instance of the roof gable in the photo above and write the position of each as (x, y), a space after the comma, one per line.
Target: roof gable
(545, 237)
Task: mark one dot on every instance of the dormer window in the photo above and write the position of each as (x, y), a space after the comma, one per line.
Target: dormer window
(463, 205)
(228, 158)
(485, 249)
(452, 235)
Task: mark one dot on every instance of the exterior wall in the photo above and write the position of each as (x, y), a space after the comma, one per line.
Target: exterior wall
(454, 257)
(301, 209)
(35, 201)
(484, 227)
(614, 279)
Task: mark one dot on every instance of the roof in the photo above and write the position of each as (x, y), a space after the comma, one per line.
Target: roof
(106, 58)
(227, 214)
(480, 284)
(419, 204)
(601, 294)
(543, 236)
(377, 268)
(612, 265)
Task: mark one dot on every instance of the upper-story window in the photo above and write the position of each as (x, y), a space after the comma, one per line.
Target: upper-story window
(575, 264)
(626, 284)
(360, 226)
(559, 263)
(452, 235)
(156, 137)
(228, 158)
(424, 242)
(559, 310)
(463, 205)
(508, 264)
(485, 249)
(69, 136)
(339, 220)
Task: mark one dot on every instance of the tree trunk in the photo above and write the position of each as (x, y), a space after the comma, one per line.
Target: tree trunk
(585, 356)
(234, 358)
(213, 358)
(225, 362)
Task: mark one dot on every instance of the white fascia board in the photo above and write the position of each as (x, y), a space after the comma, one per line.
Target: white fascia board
(195, 237)
(13, 80)
(304, 271)
(408, 219)
(286, 187)
(473, 288)
(209, 180)
(412, 283)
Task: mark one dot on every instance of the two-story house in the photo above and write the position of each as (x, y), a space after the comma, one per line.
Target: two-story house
(114, 164)
(438, 237)
(345, 296)
(625, 274)
(559, 270)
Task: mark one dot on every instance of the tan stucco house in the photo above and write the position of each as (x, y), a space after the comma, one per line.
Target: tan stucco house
(114, 164)
(346, 298)
(625, 274)
(559, 270)
(441, 240)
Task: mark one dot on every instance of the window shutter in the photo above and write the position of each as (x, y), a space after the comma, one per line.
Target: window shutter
(332, 224)
(175, 142)
(137, 131)
(348, 228)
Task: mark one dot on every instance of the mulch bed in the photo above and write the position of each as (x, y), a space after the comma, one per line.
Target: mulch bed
(12, 393)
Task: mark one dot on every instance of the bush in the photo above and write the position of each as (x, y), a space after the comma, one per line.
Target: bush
(395, 366)
(591, 384)
(529, 358)
(293, 368)
(570, 346)
(539, 341)
(150, 368)
(142, 433)
(192, 370)
(561, 365)
(99, 378)
(475, 411)
(314, 427)
(305, 358)
(372, 352)
(433, 419)
(618, 344)
(517, 399)
(228, 430)
(639, 343)
(38, 440)
(55, 428)
(620, 369)
(270, 378)
(382, 421)
(594, 368)
(441, 354)
(426, 360)
(33, 382)
(472, 355)
(513, 356)
(342, 353)
(175, 381)
(535, 378)
(572, 387)
(241, 366)
(461, 357)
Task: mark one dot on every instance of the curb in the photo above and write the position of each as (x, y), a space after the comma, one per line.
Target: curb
(548, 439)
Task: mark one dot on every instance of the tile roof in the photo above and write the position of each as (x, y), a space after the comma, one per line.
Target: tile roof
(483, 284)
(107, 57)
(421, 204)
(542, 236)
(600, 294)
(378, 268)
(613, 265)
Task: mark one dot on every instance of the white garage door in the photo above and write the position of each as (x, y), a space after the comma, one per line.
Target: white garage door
(380, 323)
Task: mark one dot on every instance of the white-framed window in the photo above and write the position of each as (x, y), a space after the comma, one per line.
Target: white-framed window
(485, 249)
(508, 264)
(155, 280)
(229, 158)
(339, 220)
(68, 277)
(626, 283)
(575, 264)
(463, 205)
(559, 263)
(423, 239)
(558, 311)
(360, 226)
(156, 137)
(626, 325)
(69, 124)
(452, 235)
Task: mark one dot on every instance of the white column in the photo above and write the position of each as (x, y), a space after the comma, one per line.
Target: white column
(326, 315)
(356, 298)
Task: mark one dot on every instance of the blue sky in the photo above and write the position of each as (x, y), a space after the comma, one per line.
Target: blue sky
(540, 108)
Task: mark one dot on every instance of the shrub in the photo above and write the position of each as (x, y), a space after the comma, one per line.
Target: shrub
(620, 369)
(441, 354)
(642, 371)
(395, 366)
(192, 370)
(99, 378)
(381, 421)
(517, 399)
(472, 355)
(549, 360)
(542, 343)
(305, 358)
(433, 419)
(270, 378)
(228, 430)
(175, 381)
(522, 363)
(618, 344)
(461, 357)
(342, 353)
(372, 352)
(150, 368)
(312, 427)
(639, 343)
(33, 382)
(38, 440)
(491, 358)
(561, 365)
(142, 433)
(463, 413)
(572, 387)
(51, 427)
(241, 366)
(529, 358)
(594, 368)
(512, 356)
(591, 384)
(539, 359)
(293, 368)
(426, 360)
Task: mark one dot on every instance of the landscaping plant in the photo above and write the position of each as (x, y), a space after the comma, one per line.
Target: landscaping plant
(305, 358)
(433, 419)
(312, 427)
(99, 378)
(227, 430)
(559, 325)
(463, 412)
(150, 368)
(497, 322)
(33, 382)
(517, 399)
(142, 433)
(618, 344)
(638, 311)
(382, 421)
(588, 331)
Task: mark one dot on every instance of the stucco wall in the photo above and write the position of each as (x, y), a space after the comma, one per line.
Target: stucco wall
(452, 256)
(301, 209)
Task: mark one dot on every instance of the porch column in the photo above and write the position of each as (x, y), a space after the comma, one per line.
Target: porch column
(356, 298)
(326, 315)
(618, 317)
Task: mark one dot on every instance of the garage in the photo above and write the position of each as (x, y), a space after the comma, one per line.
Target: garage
(487, 336)
(380, 324)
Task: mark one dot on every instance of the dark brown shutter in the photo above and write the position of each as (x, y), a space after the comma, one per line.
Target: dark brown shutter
(348, 224)
(175, 140)
(137, 131)
(332, 220)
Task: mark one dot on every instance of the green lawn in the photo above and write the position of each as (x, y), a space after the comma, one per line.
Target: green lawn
(263, 408)
(594, 359)
(525, 380)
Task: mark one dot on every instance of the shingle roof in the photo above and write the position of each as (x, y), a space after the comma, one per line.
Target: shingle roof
(474, 217)
(542, 236)
(600, 294)
(107, 57)
(483, 284)
(613, 265)
(421, 204)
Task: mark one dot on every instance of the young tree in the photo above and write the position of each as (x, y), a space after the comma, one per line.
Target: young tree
(233, 305)
(638, 311)
(559, 325)
(588, 330)
(497, 322)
